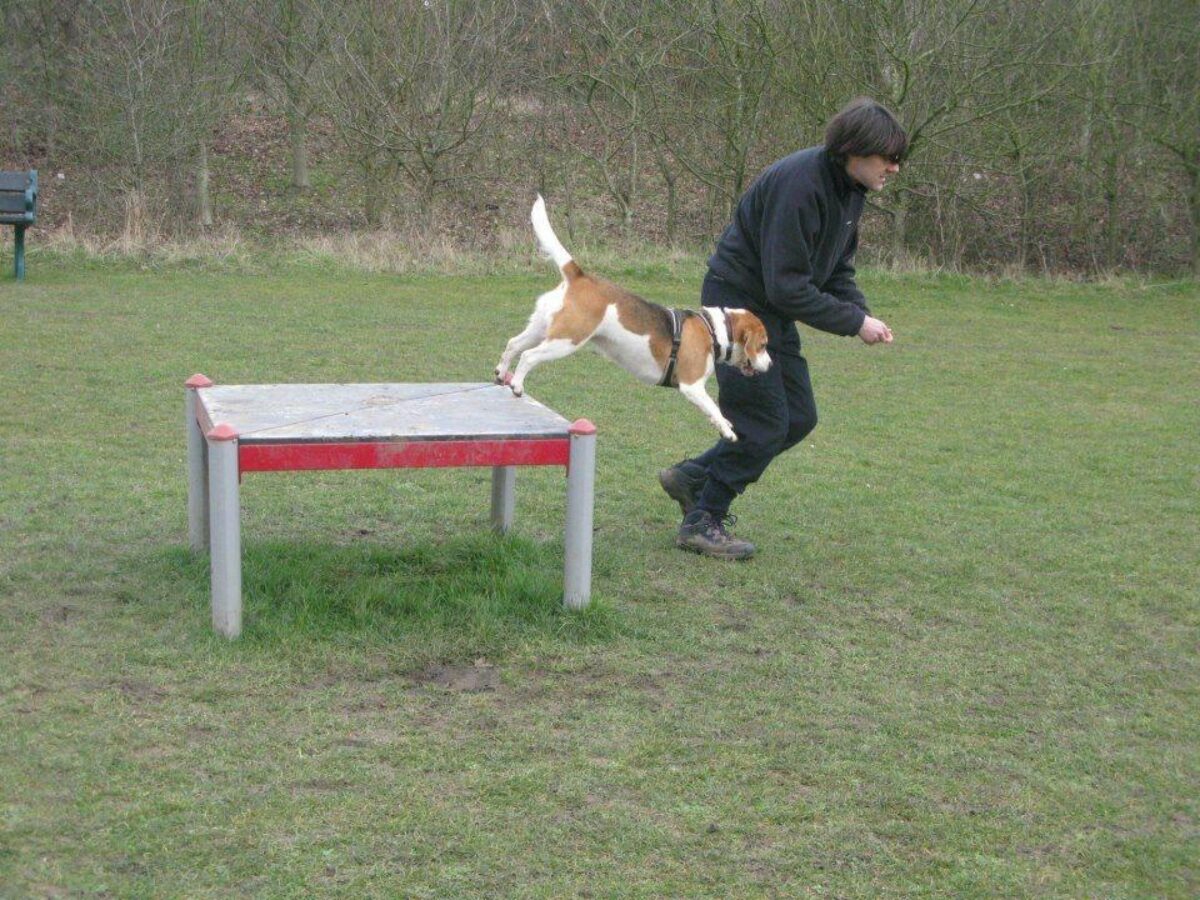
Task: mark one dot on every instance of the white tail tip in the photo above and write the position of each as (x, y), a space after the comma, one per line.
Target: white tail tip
(547, 239)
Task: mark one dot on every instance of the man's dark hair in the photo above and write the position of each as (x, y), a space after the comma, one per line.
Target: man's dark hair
(865, 128)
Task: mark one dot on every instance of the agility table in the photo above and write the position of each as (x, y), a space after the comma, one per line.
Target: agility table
(234, 429)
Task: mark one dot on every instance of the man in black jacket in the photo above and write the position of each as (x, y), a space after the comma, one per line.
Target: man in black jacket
(787, 256)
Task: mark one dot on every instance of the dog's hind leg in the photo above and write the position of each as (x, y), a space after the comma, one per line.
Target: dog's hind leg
(548, 350)
(544, 310)
(534, 334)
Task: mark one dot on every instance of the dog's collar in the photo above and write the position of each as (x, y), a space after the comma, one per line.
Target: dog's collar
(719, 354)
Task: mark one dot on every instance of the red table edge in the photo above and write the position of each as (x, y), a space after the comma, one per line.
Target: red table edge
(404, 454)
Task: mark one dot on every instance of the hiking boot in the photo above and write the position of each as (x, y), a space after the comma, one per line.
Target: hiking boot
(683, 483)
(704, 533)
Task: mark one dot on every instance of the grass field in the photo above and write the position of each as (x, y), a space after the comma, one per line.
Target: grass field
(964, 662)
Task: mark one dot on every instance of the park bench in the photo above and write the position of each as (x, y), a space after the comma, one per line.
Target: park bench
(18, 207)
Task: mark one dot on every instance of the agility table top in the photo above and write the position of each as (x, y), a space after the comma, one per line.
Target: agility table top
(308, 413)
(282, 427)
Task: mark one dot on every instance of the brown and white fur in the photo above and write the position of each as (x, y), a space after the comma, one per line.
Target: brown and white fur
(631, 331)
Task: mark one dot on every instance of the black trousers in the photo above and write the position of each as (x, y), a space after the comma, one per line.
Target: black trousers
(770, 412)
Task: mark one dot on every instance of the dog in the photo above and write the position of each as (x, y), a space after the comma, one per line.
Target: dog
(657, 345)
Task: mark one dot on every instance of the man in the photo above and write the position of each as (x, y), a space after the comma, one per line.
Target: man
(788, 256)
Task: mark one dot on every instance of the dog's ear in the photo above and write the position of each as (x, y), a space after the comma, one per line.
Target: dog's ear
(749, 331)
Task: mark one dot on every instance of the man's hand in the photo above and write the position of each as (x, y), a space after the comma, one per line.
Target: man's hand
(875, 331)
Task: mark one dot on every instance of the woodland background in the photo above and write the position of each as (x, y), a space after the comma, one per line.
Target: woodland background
(1058, 137)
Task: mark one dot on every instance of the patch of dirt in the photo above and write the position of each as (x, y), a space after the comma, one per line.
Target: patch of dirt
(140, 691)
(198, 734)
(29, 697)
(481, 676)
(733, 620)
(59, 614)
(151, 752)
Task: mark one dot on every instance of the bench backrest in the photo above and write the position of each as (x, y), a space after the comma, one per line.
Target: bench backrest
(18, 196)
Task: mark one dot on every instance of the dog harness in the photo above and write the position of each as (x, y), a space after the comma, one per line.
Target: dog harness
(678, 317)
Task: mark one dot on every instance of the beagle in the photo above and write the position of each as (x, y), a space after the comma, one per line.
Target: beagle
(671, 348)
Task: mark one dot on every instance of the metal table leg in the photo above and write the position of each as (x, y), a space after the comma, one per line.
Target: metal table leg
(503, 497)
(225, 535)
(581, 480)
(197, 452)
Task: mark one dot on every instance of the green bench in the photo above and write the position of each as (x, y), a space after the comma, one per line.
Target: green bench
(18, 207)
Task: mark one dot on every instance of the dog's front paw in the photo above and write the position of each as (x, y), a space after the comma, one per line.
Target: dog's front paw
(726, 430)
(517, 387)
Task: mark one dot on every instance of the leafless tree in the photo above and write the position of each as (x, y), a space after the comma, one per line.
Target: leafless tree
(620, 78)
(1059, 134)
(157, 79)
(289, 41)
(410, 89)
(727, 98)
(1164, 102)
(947, 67)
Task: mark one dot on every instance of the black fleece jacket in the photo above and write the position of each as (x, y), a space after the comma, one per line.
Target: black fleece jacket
(790, 247)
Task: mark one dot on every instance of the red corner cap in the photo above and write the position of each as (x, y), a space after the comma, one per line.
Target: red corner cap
(223, 432)
(582, 426)
(198, 381)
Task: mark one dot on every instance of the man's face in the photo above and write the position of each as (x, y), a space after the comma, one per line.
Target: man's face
(871, 171)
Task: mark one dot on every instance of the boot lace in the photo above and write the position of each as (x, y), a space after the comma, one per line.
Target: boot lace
(721, 524)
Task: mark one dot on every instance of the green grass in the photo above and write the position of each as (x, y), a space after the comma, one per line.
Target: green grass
(964, 662)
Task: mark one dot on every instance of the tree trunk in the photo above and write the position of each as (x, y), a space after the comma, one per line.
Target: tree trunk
(669, 178)
(203, 197)
(625, 204)
(1028, 217)
(1194, 205)
(569, 193)
(900, 227)
(1112, 212)
(371, 204)
(298, 133)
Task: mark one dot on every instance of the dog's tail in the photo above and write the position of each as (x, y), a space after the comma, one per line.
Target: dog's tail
(549, 242)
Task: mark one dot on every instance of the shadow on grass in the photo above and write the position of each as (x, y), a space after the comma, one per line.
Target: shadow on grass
(469, 595)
